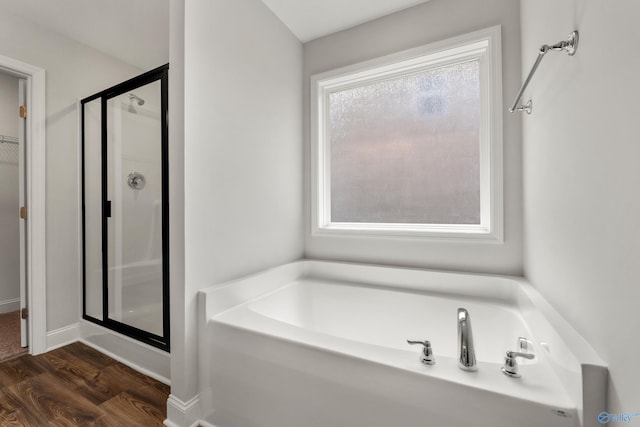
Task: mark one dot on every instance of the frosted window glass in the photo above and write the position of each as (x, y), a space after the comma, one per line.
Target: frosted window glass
(407, 150)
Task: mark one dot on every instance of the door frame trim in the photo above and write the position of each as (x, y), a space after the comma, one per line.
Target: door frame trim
(36, 254)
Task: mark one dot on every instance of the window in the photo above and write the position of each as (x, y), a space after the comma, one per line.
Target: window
(411, 144)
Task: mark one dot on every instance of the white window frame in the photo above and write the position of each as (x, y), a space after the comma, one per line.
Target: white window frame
(484, 46)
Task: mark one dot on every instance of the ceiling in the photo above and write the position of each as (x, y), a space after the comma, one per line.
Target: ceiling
(310, 19)
(137, 31)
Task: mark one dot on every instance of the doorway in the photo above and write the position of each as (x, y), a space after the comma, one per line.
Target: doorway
(13, 330)
(32, 223)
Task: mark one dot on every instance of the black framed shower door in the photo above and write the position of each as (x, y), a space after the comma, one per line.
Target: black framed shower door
(125, 208)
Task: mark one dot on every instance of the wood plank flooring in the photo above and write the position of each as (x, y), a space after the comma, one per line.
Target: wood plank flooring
(78, 386)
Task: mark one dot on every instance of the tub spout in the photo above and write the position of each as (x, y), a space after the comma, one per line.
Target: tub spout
(466, 350)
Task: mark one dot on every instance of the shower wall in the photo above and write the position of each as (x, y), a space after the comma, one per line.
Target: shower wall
(9, 222)
(142, 237)
(135, 230)
(138, 143)
(135, 248)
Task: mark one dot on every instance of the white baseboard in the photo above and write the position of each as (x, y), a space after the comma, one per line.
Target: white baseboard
(9, 305)
(169, 423)
(63, 336)
(184, 414)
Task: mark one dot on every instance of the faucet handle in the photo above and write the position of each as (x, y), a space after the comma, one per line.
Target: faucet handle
(513, 354)
(426, 356)
(510, 366)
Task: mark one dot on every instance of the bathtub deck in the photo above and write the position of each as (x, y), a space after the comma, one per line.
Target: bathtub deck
(78, 386)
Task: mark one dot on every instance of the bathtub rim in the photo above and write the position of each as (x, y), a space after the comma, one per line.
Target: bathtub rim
(510, 290)
(581, 371)
(538, 386)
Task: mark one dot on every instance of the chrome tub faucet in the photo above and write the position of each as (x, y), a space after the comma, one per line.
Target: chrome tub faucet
(466, 350)
(426, 355)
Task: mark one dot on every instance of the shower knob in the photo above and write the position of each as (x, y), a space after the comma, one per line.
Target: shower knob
(136, 180)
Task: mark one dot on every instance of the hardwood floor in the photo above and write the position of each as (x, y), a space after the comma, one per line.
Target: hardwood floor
(78, 386)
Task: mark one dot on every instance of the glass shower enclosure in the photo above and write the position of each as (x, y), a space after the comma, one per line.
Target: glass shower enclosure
(125, 208)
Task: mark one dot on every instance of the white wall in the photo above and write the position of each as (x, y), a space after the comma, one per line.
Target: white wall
(242, 155)
(581, 175)
(8, 105)
(73, 71)
(432, 21)
(9, 201)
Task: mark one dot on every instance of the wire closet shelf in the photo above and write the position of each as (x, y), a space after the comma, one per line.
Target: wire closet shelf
(4, 139)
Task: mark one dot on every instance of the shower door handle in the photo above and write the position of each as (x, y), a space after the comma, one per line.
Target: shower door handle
(107, 208)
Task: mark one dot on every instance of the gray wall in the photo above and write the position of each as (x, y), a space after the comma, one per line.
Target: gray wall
(581, 174)
(432, 21)
(73, 71)
(242, 165)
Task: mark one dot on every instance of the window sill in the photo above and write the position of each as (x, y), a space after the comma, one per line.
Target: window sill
(451, 232)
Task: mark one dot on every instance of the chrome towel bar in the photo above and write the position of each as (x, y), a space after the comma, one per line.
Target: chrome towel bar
(570, 46)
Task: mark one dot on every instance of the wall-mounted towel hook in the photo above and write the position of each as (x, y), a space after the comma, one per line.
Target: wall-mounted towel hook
(570, 45)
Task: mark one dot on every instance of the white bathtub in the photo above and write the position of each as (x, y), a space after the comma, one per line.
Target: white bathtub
(317, 344)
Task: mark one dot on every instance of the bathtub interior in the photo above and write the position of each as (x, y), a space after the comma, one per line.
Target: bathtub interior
(371, 315)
